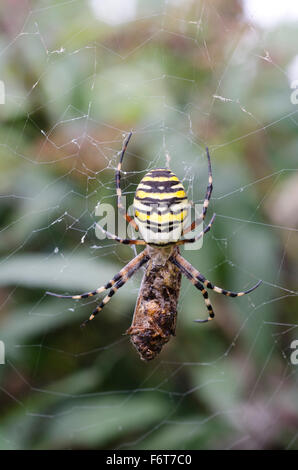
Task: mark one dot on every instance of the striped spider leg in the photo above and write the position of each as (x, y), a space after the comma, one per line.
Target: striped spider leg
(206, 200)
(129, 219)
(197, 237)
(200, 282)
(124, 241)
(118, 281)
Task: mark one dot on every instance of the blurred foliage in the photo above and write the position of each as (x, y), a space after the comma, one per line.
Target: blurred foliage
(183, 75)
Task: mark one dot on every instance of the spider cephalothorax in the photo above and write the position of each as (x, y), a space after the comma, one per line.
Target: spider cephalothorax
(160, 211)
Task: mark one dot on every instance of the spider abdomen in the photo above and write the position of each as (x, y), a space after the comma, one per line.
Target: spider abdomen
(155, 315)
(160, 207)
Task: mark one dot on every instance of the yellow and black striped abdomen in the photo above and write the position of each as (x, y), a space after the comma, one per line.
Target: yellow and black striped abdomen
(160, 207)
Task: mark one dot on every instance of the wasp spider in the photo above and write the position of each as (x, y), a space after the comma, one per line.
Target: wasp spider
(160, 209)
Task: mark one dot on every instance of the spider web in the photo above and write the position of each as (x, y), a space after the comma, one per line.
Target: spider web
(181, 75)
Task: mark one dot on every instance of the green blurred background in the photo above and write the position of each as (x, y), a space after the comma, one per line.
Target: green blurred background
(182, 74)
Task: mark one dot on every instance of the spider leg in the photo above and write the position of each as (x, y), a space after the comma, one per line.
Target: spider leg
(132, 265)
(206, 200)
(198, 285)
(194, 239)
(199, 277)
(125, 241)
(124, 278)
(118, 188)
